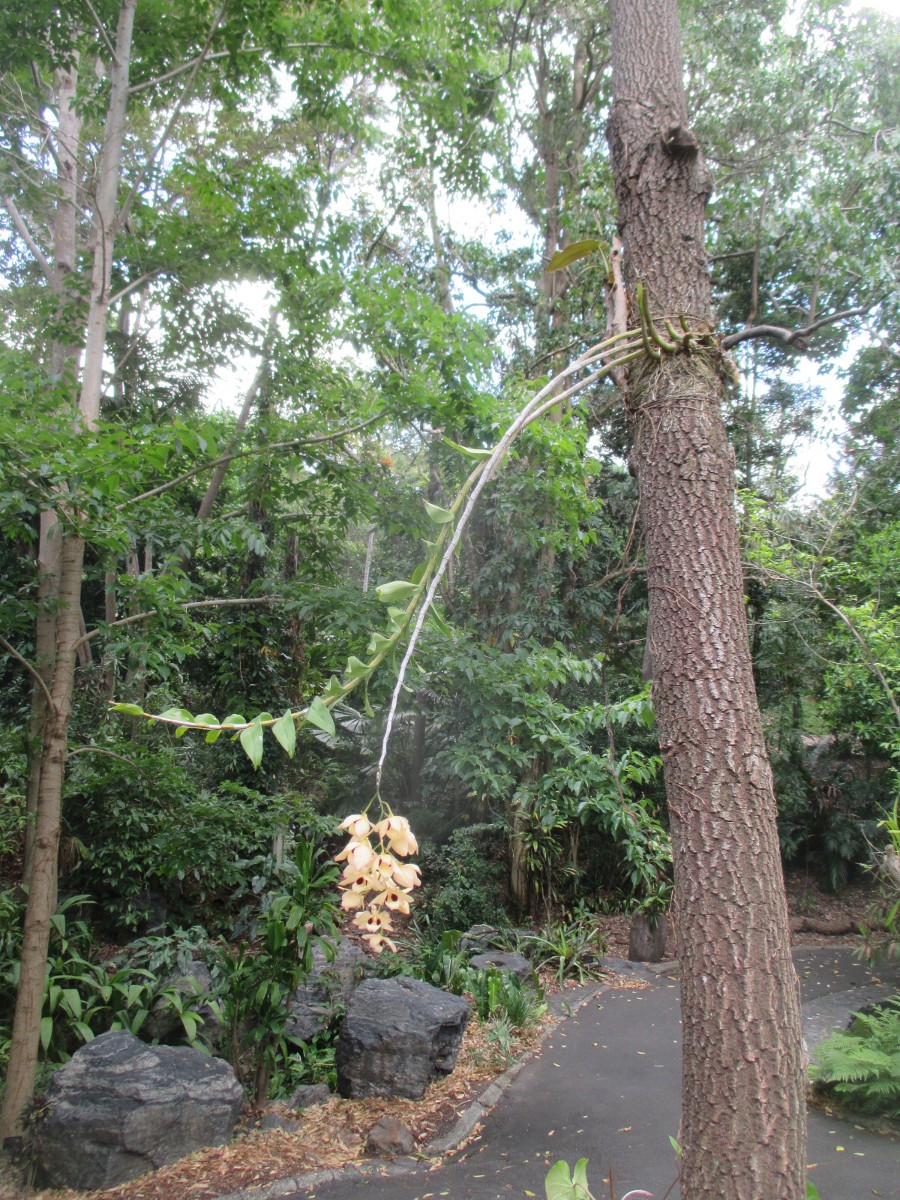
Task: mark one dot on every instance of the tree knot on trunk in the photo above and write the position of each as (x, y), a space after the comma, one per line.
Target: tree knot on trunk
(680, 142)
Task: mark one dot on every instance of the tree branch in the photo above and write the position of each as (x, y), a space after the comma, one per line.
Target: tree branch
(788, 337)
(136, 618)
(19, 221)
(32, 671)
(103, 34)
(170, 124)
(769, 573)
(130, 287)
(293, 444)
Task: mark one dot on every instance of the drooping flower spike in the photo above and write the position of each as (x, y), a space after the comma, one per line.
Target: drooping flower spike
(372, 867)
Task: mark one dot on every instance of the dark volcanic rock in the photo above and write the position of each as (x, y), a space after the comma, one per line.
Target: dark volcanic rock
(397, 1036)
(120, 1108)
(328, 984)
(502, 960)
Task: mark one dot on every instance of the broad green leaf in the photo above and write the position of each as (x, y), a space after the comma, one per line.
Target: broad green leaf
(395, 592)
(558, 1183)
(470, 451)
(46, 1031)
(355, 669)
(181, 731)
(235, 719)
(131, 710)
(571, 254)
(252, 740)
(213, 736)
(579, 1174)
(377, 643)
(438, 515)
(206, 719)
(286, 733)
(812, 1192)
(176, 714)
(334, 690)
(318, 714)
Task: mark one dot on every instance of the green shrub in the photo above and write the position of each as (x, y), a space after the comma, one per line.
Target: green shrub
(143, 827)
(862, 1065)
(254, 980)
(570, 949)
(466, 880)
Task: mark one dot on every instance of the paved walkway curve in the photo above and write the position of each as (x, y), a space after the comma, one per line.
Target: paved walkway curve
(606, 1086)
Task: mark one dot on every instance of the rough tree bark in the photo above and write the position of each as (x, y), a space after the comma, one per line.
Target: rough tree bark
(744, 1129)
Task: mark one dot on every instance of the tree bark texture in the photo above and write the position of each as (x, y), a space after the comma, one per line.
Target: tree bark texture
(744, 1129)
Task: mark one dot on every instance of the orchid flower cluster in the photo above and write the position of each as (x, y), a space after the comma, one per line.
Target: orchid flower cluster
(374, 868)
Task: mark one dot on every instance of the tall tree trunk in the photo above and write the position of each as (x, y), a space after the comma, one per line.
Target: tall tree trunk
(744, 1126)
(62, 360)
(44, 852)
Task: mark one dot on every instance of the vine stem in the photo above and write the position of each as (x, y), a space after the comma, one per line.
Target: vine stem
(535, 408)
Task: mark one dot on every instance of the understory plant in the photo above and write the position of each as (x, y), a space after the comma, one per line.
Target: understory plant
(255, 979)
(570, 948)
(861, 1066)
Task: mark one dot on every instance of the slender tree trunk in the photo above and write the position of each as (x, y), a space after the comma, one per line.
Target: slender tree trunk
(62, 360)
(744, 1126)
(23, 1050)
(44, 852)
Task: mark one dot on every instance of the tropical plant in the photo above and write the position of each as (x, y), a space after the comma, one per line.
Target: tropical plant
(861, 1066)
(571, 949)
(253, 982)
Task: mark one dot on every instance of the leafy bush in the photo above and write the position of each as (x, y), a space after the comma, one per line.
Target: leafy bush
(862, 1066)
(500, 993)
(465, 881)
(571, 949)
(142, 827)
(254, 983)
(84, 998)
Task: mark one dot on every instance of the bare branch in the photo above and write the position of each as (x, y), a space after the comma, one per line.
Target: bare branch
(170, 124)
(135, 284)
(103, 34)
(109, 754)
(789, 337)
(19, 221)
(293, 444)
(32, 671)
(136, 618)
(768, 573)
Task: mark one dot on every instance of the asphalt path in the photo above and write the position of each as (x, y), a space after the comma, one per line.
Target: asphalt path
(606, 1087)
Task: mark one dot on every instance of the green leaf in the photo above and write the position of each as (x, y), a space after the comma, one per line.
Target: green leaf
(579, 1174)
(572, 253)
(377, 643)
(335, 689)
(558, 1183)
(470, 451)
(286, 732)
(355, 669)
(46, 1032)
(252, 741)
(213, 736)
(206, 719)
(317, 714)
(440, 623)
(438, 515)
(395, 592)
(131, 710)
(812, 1192)
(176, 714)
(235, 719)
